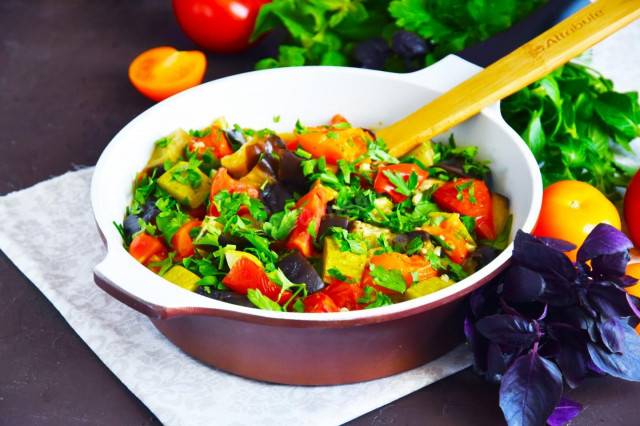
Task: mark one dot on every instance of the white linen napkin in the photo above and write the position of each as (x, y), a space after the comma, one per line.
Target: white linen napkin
(49, 233)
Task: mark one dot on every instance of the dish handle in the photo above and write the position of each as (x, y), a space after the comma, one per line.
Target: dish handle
(107, 273)
(446, 74)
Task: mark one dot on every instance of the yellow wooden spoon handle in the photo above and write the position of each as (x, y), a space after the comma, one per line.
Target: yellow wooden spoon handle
(518, 69)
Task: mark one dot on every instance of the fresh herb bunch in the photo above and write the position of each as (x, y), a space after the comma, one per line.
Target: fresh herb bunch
(547, 319)
(401, 35)
(574, 122)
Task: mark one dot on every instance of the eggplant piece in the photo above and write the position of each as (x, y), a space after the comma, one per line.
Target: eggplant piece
(226, 239)
(150, 211)
(330, 221)
(290, 172)
(403, 240)
(182, 277)
(299, 270)
(130, 225)
(274, 143)
(500, 208)
(348, 263)
(236, 138)
(274, 196)
(225, 296)
(454, 166)
(484, 254)
(262, 172)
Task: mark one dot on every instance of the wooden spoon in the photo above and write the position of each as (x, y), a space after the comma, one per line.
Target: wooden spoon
(518, 69)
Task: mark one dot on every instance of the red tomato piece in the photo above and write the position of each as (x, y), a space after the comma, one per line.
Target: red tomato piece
(182, 241)
(222, 26)
(246, 274)
(469, 197)
(313, 207)
(222, 181)
(319, 303)
(147, 249)
(407, 265)
(344, 295)
(216, 142)
(383, 185)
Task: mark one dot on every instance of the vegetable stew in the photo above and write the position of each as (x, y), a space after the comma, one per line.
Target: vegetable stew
(319, 220)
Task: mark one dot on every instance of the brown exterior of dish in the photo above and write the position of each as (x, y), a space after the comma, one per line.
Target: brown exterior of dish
(320, 351)
(318, 355)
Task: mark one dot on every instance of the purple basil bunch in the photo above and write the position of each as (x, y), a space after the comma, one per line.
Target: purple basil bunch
(547, 321)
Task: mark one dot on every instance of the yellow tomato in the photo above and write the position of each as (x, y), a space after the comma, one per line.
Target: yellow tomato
(571, 209)
(633, 270)
(163, 71)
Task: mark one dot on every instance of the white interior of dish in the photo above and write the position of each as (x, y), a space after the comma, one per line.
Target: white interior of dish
(369, 99)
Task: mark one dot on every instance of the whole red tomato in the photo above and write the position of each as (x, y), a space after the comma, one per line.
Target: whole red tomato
(632, 208)
(221, 26)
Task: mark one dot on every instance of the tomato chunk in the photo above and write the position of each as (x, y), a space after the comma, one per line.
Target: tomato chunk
(469, 197)
(319, 303)
(147, 249)
(222, 181)
(246, 274)
(452, 233)
(407, 265)
(182, 241)
(313, 207)
(334, 144)
(215, 141)
(344, 295)
(383, 184)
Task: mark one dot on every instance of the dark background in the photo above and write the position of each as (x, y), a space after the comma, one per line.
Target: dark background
(64, 93)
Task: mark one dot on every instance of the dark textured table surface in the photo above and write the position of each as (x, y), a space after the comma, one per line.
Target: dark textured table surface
(64, 94)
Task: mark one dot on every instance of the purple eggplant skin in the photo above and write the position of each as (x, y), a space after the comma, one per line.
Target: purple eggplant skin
(272, 144)
(291, 173)
(454, 166)
(299, 270)
(275, 196)
(484, 254)
(131, 225)
(225, 296)
(403, 240)
(329, 221)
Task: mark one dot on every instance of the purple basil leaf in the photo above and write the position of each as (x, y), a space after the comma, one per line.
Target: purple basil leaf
(573, 361)
(469, 330)
(508, 330)
(611, 300)
(594, 368)
(627, 281)
(572, 357)
(535, 255)
(496, 365)
(530, 390)
(557, 292)
(556, 244)
(611, 335)
(476, 302)
(565, 411)
(604, 239)
(625, 365)
(611, 264)
(522, 284)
